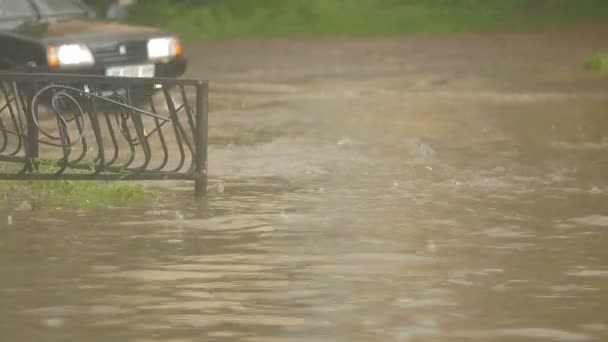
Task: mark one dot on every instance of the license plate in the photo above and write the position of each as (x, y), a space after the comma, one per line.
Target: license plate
(146, 70)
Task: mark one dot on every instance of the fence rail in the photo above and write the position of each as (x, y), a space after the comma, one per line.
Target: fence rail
(78, 127)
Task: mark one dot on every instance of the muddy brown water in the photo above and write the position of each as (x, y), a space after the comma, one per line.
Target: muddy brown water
(432, 188)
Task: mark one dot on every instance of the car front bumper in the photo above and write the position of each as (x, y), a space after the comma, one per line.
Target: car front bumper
(170, 69)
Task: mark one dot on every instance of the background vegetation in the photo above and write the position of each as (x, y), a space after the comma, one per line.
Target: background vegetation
(213, 19)
(597, 62)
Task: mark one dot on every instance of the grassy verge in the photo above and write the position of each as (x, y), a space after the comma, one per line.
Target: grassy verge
(75, 195)
(217, 19)
(597, 63)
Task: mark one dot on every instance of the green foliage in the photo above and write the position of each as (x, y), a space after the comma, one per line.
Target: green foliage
(99, 5)
(213, 19)
(597, 62)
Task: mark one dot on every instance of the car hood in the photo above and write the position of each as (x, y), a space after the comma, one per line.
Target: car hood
(83, 31)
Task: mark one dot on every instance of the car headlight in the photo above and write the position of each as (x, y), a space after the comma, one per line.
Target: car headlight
(160, 48)
(69, 55)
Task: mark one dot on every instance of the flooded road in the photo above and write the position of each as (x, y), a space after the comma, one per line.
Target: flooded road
(443, 188)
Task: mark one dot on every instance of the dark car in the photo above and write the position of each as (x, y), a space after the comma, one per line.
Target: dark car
(61, 36)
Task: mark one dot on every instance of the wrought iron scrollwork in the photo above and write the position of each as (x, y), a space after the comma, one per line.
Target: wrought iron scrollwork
(79, 127)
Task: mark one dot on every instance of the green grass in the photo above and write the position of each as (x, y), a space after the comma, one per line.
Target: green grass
(218, 19)
(597, 62)
(76, 194)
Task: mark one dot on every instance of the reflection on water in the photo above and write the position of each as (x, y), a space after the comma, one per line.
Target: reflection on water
(338, 225)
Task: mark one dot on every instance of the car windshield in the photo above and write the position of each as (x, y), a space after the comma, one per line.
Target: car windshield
(11, 9)
(59, 8)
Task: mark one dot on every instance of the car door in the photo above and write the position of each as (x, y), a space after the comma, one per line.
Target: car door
(18, 48)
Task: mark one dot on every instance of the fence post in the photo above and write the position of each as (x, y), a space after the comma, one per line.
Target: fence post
(32, 149)
(202, 119)
(32, 134)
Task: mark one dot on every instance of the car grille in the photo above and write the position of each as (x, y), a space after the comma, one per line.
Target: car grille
(123, 52)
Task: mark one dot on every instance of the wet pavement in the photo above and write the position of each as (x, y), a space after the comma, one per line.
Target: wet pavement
(397, 189)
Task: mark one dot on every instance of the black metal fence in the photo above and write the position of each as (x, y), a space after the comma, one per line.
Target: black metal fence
(76, 127)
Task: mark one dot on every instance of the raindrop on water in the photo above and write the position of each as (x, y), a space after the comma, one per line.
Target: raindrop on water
(595, 191)
(344, 141)
(431, 246)
(54, 322)
(9, 220)
(422, 150)
(24, 206)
